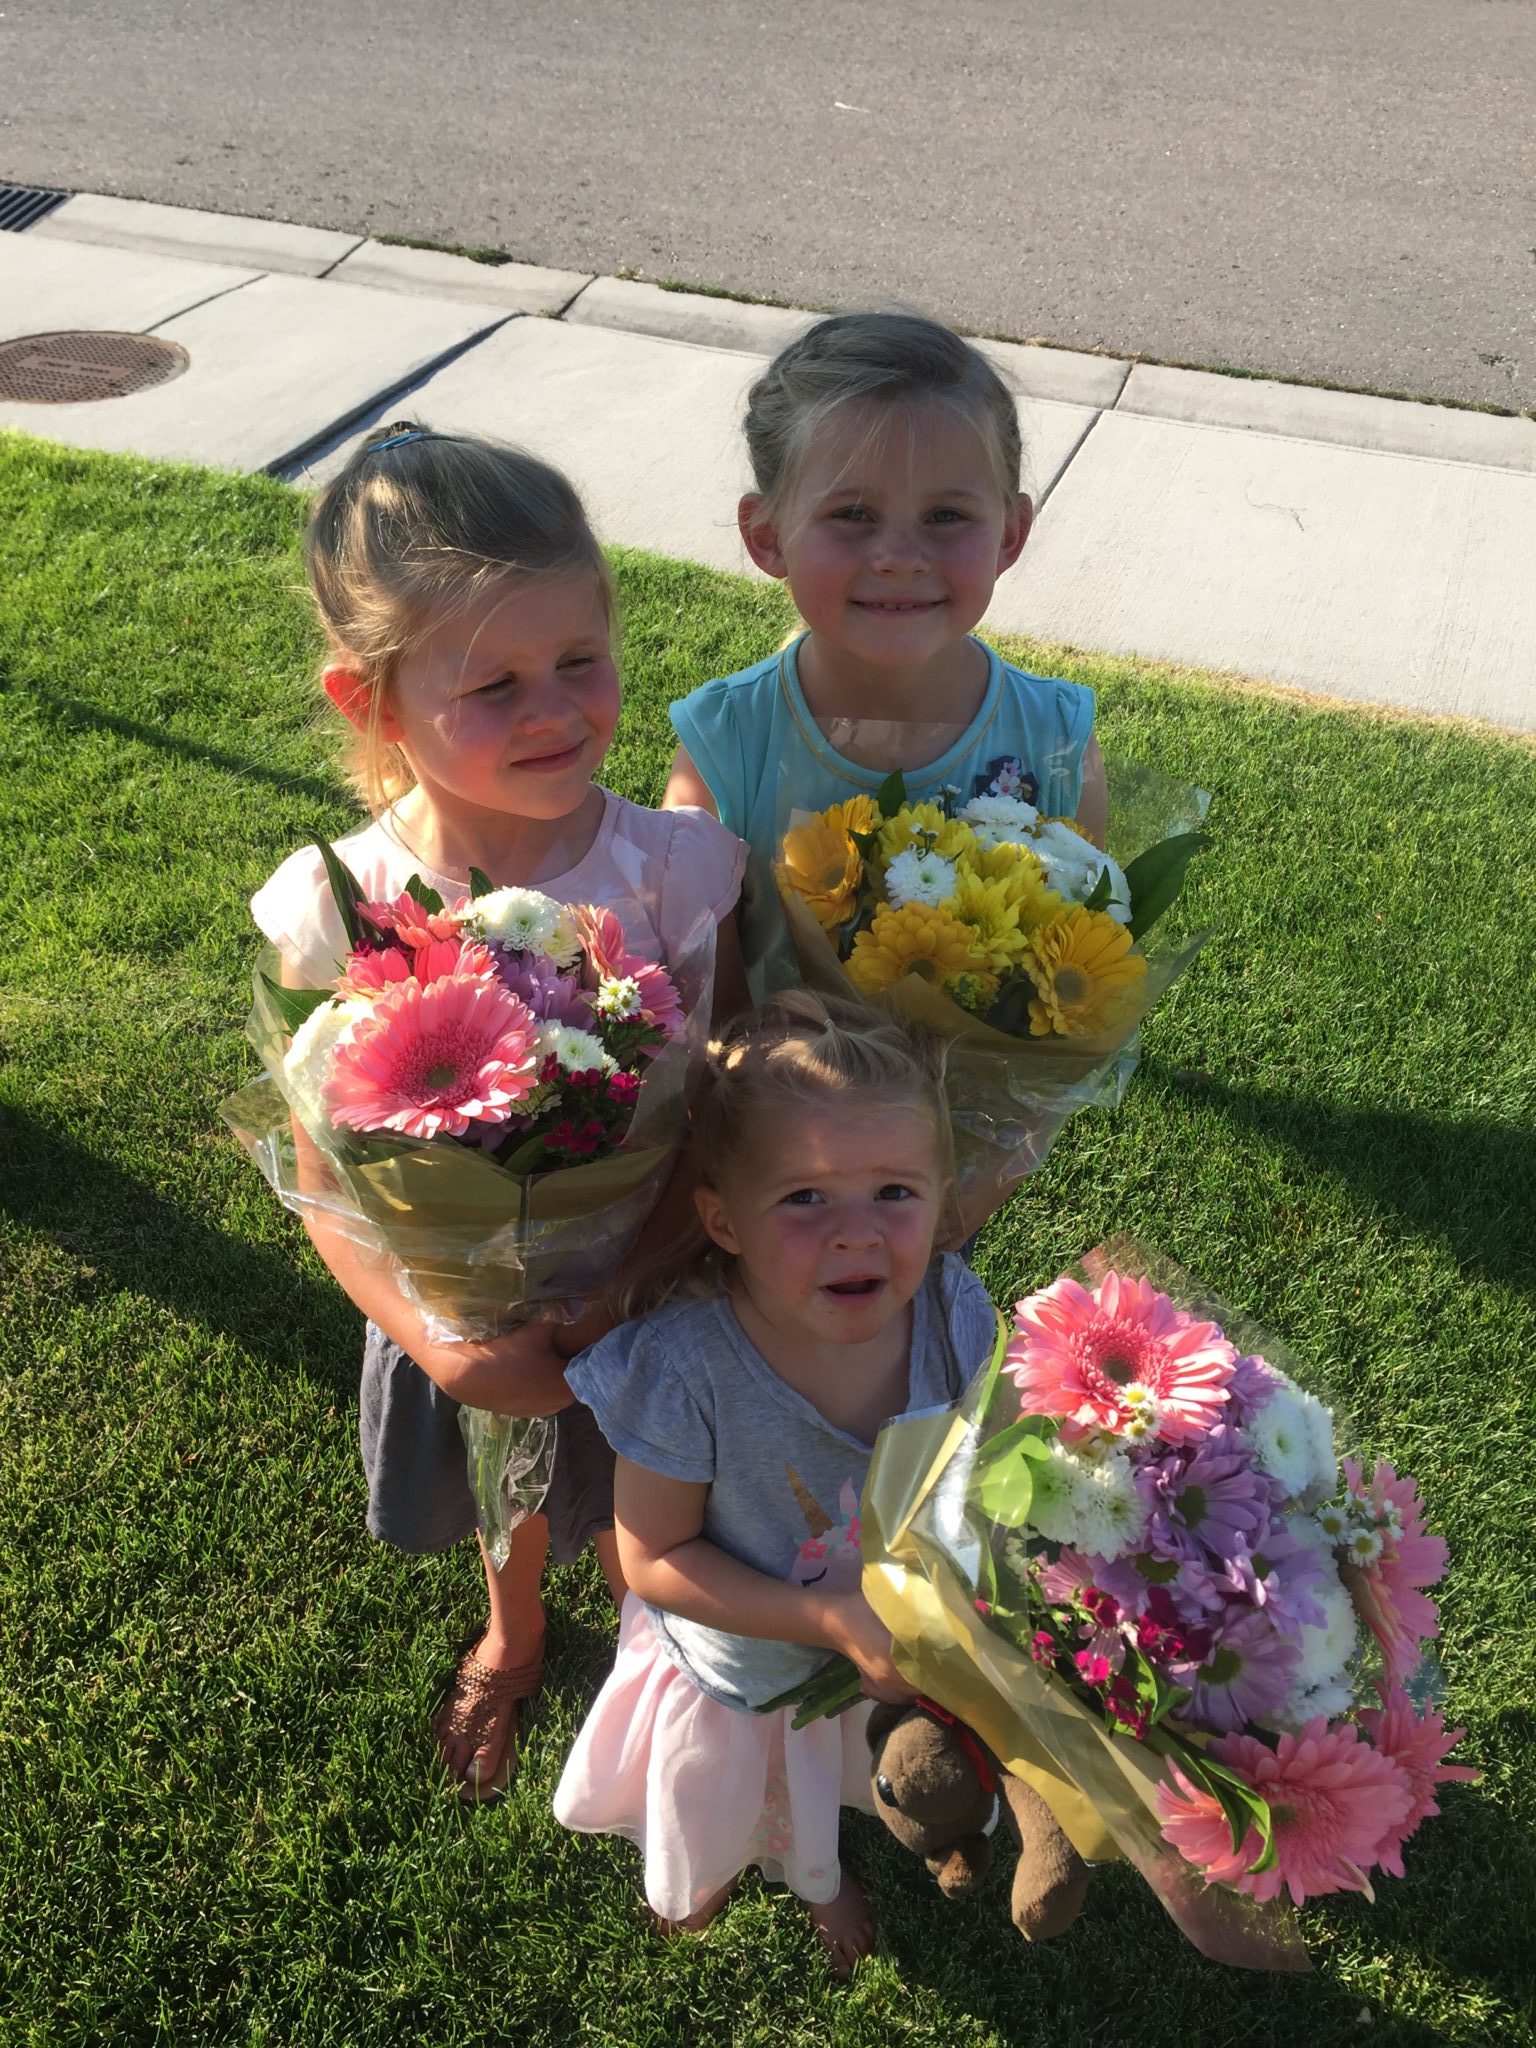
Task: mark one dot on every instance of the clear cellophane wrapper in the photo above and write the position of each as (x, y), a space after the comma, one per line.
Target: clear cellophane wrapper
(930, 1554)
(479, 1250)
(1009, 1095)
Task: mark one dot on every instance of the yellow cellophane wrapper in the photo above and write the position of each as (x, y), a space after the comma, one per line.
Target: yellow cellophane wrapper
(922, 1545)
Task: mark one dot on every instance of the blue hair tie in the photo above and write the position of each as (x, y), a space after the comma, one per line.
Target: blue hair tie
(409, 434)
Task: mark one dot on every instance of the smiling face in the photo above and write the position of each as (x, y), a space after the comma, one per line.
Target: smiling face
(831, 1213)
(892, 534)
(508, 706)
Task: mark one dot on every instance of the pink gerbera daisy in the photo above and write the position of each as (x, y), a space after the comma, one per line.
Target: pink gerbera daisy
(370, 971)
(1333, 1800)
(434, 1059)
(409, 921)
(1418, 1744)
(1386, 1594)
(604, 942)
(1074, 1354)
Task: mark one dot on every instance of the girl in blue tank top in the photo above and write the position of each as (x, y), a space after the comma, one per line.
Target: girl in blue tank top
(886, 457)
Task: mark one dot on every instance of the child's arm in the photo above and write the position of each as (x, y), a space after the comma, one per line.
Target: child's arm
(1093, 803)
(667, 1562)
(685, 786)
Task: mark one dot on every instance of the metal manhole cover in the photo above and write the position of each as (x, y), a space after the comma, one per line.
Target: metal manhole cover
(74, 369)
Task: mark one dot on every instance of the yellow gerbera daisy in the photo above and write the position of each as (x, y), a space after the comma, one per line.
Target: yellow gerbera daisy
(917, 939)
(925, 823)
(1084, 972)
(1021, 869)
(822, 865)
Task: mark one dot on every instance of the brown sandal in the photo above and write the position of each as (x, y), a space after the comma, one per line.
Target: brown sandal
(479, 1694)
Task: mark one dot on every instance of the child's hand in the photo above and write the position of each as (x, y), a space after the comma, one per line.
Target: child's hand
(863, 1638)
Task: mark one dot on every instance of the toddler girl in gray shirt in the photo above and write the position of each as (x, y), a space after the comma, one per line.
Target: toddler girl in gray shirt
(743, 1418)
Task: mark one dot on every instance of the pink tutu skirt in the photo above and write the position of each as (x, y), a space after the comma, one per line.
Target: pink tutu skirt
(708, 1790)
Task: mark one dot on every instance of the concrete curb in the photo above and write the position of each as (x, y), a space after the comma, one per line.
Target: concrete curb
(435, 274)
(1102, 383)
(1348, 419)
(186, 231)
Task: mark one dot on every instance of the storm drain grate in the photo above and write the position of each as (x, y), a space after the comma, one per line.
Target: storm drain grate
(73, 369)
(21, 205)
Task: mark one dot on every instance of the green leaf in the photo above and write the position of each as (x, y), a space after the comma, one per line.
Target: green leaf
(1006, 1489)
(1010, 1012)
(418, 892)
(295, 1005)
(1155, 878)
(479, 884)
(1243, 1808)
(891, 794)
(528, 1157)
(1031, 1434)
(346, 890)
(1098, 897)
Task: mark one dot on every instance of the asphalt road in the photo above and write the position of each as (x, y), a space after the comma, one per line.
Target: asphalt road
(1340, 190)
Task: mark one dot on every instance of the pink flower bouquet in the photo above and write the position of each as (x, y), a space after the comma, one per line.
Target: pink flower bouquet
(1132, 1561)
(489, 1095)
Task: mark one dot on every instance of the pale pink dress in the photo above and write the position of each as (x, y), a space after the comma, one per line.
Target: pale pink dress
(707, 1790)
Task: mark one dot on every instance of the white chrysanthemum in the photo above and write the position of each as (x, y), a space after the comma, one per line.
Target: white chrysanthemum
(1326, 1650)
(1145, 1413)
(1325, 1458)
(527, 921)
(307, 1062)
(1073, 866)
(577, 1051)
(1000, 820)
(1333, 1521)
(1053, 1504)
(1280, 1435)
(914, 877)
(618, 995)
(1111, 1514)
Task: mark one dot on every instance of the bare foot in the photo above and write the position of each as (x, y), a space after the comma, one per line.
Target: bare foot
(696, 1921)
(476, 1726)
(846, 1926)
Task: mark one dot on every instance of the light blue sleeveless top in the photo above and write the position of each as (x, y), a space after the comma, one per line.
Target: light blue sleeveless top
(761, 754)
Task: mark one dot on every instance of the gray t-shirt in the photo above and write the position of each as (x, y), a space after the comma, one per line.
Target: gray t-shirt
(683, 1392)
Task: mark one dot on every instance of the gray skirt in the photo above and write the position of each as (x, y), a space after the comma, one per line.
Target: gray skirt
(413, 1456)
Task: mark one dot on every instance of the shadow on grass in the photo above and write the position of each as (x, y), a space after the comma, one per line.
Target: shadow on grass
(66, 715)
(132, 1240)
(1469, 1181)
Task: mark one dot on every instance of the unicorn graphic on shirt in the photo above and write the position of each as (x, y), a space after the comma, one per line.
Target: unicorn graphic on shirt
(830, 1554)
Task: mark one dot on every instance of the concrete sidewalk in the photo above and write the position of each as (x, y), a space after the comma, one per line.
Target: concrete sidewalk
(1354, 546)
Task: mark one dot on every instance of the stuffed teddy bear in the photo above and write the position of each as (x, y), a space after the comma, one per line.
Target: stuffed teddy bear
(940, 1792)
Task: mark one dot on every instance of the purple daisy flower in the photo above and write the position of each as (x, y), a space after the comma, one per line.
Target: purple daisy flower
(1246, 1676)
(553, 997)
(1209, 1503)
(1252, 1381)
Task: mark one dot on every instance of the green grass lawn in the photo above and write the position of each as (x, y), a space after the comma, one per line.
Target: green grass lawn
(218, 1820)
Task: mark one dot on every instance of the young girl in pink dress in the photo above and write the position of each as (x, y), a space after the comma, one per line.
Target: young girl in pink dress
(469, 615)
(743, 1419)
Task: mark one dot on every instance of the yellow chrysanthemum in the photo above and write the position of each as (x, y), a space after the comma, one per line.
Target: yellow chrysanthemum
(1021, 870)
(991, 909)
(859, 813)
(917, 939)
(927, 824)
(1084, 972)
(822, 865)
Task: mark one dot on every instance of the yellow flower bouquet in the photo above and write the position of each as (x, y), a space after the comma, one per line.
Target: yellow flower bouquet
(1008, 935)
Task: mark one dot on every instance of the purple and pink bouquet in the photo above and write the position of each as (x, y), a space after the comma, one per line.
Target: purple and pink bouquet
(1195, 1563)
(1131, 1560)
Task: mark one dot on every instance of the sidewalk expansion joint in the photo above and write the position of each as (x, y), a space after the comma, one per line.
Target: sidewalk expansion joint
(341, 258)
(575, 295)
(1072, 454)
(290, 466)
(223, 292)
